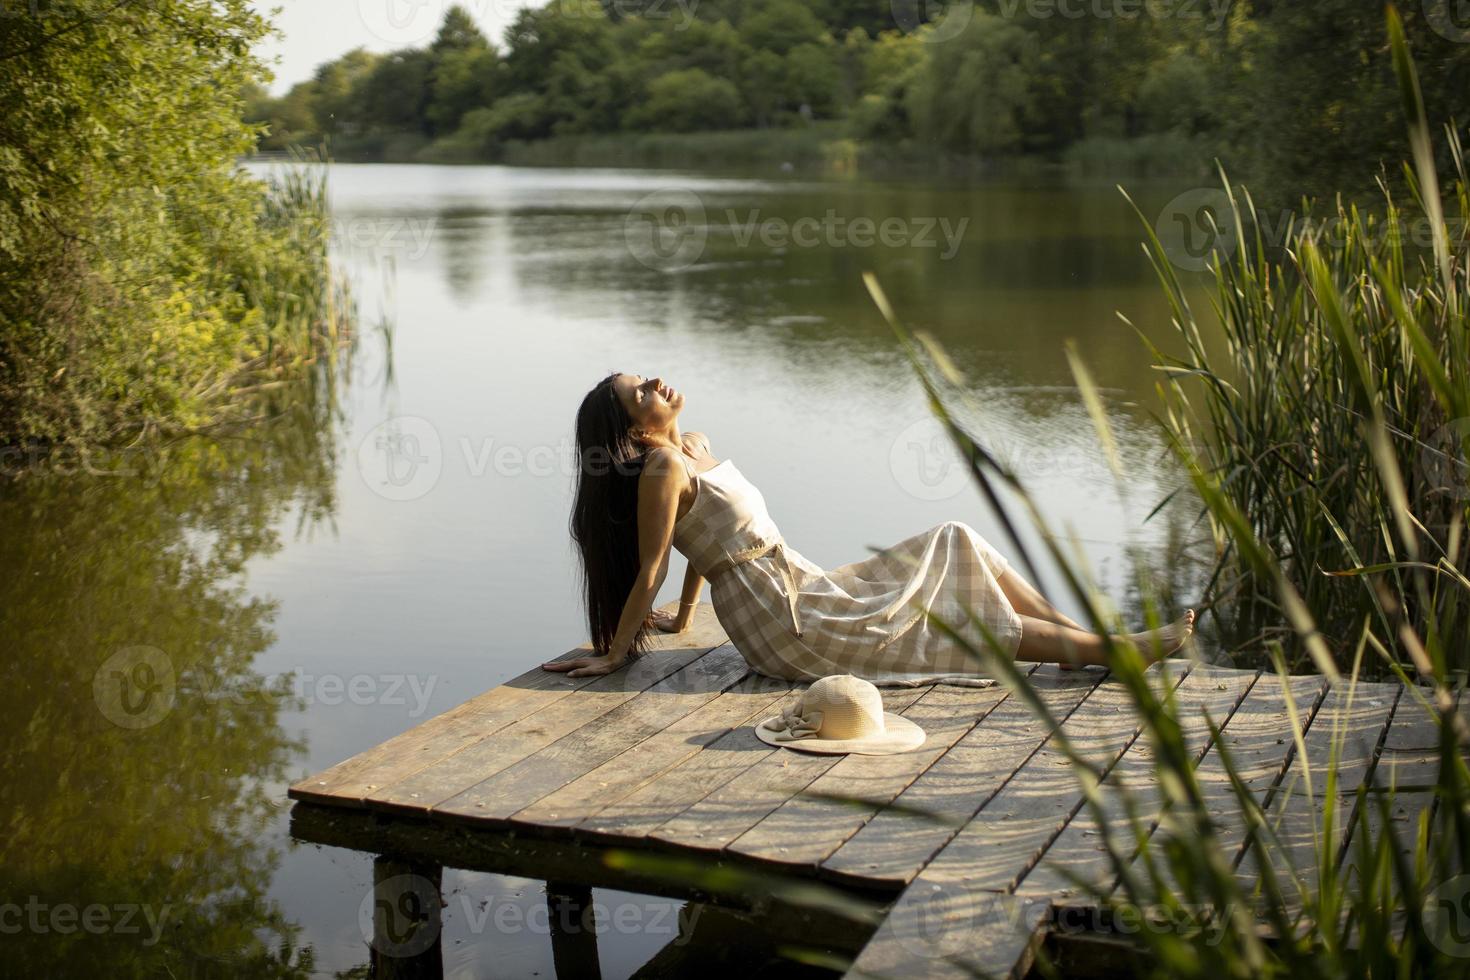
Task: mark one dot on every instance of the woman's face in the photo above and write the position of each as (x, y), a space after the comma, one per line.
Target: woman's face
(650, 403)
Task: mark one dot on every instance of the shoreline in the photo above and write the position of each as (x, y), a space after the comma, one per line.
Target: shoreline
(821, 150)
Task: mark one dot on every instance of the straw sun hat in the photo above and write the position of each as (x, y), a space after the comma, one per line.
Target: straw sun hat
(841, 713)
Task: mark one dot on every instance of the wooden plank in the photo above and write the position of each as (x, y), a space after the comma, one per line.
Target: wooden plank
(1405, 812)
(744, 800)
(478, 761)
(811, 825)
(350, 782)
(1407, 770)
(677, 708)
(1212, 691)
(1355, 722)
(1007, 837)
(1258, 739)
(581, 799)
(947, 931)
(606, 737)
(1408, 767)
(897, 841)
(1411, 749)
(672, 792)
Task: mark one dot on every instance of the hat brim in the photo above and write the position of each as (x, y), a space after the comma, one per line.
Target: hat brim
(898, 735)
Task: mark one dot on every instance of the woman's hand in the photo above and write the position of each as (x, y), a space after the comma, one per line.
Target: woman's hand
(585, 666)
(667, 622)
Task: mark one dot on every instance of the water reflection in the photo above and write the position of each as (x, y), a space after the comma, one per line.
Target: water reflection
(141, 735)
(1003, 275)
(420, 929)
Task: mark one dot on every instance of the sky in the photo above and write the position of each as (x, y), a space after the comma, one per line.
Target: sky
(320, 30)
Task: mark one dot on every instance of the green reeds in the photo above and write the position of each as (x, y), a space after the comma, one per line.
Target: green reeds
(1308, 462)
(1335, 432)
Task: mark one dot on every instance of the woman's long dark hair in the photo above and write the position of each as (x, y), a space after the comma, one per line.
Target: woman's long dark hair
(605, 514)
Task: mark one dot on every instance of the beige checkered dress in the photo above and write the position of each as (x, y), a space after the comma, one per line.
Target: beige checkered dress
(793, 620)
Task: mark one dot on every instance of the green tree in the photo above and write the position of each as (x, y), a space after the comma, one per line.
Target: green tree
(715, 48)
(538, 36)
(565, 52)
(336, 96)
(892, 57)
(780, 25)
(463, 79)
(463, 72)
(287, 121)
(1178, 94)
(395, 96)
(763, 77)
(1321, 106)
(974, 94)
(1297, 95)
(141, 272)
(522, 116)
(812, 78)
(458, 32)
(688, 100)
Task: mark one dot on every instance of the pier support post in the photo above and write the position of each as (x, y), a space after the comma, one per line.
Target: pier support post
(406, 925)
(573, 930)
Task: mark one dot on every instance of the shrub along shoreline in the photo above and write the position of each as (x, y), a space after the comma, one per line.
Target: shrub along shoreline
(148, 284)
(821, 148)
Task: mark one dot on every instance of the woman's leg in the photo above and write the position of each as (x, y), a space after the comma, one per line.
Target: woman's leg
(1043, 641)
(1028, 602)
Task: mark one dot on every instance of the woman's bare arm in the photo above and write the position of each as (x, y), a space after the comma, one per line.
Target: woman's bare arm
(696, 443)
(689, 598)
(659, 488)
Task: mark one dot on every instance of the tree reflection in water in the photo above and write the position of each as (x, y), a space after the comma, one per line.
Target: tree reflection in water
(139, 738)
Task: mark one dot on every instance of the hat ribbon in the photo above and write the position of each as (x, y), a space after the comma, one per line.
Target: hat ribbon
(798, 723)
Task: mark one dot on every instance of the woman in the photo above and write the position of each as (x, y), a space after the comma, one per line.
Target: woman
(645, 487)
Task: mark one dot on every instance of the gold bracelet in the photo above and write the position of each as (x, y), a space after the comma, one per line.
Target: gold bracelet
(683, 603)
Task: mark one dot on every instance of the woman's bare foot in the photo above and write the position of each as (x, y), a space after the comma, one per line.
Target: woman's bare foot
(1155, 644)
(1158, 644)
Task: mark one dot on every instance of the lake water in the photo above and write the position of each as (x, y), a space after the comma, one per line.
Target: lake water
(308, 589)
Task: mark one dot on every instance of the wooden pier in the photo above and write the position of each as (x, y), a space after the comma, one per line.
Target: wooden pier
(955, 850)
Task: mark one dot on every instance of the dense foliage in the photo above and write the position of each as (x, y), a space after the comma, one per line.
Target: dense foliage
(1297, 96)
(142, 274)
